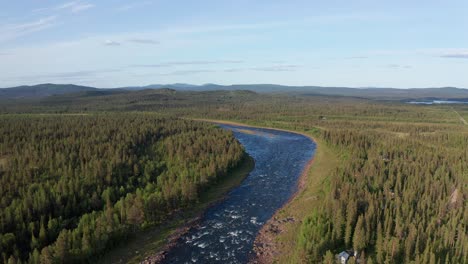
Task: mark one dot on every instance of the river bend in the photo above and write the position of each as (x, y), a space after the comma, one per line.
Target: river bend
(227, 230)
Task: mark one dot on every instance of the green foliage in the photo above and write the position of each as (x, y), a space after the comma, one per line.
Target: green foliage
(398, 196)
(315, 236)
(73, 186)
(402, 197)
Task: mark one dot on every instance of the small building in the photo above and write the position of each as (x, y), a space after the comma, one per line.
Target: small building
(343, 257)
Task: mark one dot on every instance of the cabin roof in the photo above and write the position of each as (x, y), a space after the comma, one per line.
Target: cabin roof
(344, 254)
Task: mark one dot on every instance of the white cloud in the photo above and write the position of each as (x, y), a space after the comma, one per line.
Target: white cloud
(144, 41)
(60, 76)
(111, 43)
(184, 63)
(74, 7)
(397, 66)
(268, 68)
(81, 7)
(13, 31)
(275, 24)
(277, 68)
(426, 52)
(356, 57)
(186, 72)
(456, 55)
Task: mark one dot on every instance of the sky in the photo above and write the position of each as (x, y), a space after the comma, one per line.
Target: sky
(116, 43)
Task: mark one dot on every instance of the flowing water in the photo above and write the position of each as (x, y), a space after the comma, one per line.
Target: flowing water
(227, 231)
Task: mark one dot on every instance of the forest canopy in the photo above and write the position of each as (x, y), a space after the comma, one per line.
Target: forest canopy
(73, 186)
(398, 195)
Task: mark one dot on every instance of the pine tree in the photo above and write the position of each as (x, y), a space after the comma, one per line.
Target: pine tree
(136, 214)
(12, 260)
(86, 247)
(329, 258)
(379, 247)
(62, 246)
(35, 257)
(359, 238)
(46, 256)
(42, 235)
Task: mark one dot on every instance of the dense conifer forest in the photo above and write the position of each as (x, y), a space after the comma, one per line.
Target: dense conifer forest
(398, 198)
(399, 194)
(73, 186)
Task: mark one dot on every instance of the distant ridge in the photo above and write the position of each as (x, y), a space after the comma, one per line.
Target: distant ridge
(444, 93)
(178, 86)
(373, 93)
(41, 90)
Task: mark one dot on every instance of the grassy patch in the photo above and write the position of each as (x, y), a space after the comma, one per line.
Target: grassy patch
(151, 240)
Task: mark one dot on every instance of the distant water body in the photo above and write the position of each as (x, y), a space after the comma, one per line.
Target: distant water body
(438, 102)
(227, 231)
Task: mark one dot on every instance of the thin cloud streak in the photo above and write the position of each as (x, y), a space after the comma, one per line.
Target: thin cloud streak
(16, 30)
(234, 70)
(111, 43)
(66, 76)
(356, 57)
(459, 55)
(315, 20)
(272, 68)
(187, 72)
(397, 66)
(277, 68)
(74, 7)
(81, 7)
(182, 63)
(145, 41)
(13, 31)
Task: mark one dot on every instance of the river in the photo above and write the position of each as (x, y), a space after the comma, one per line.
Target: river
(227, 231)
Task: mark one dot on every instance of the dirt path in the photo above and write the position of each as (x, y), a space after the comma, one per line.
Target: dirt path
(460, 117)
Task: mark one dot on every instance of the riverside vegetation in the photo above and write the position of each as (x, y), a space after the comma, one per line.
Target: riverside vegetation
(397, 193)
(72, 187)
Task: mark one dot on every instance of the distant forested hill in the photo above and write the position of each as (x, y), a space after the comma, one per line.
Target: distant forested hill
(122, 100)
(373, 93)
(41, 90)
(45, 90)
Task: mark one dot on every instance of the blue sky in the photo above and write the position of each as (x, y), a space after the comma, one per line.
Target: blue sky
(112, 43)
